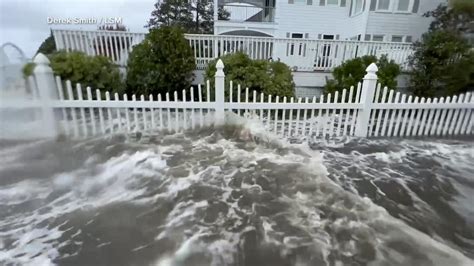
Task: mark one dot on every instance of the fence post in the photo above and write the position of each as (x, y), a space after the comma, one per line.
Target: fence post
(219, 92)
(366, 99)
(47, 93)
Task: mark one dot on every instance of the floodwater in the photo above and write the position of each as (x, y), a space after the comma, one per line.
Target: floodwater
(226, 197)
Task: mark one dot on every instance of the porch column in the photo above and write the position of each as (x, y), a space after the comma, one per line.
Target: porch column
(216, 8)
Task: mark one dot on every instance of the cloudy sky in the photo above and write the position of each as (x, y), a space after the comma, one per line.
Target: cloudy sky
(25, 22)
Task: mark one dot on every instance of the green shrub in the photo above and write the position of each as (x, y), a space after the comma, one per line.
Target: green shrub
(353, 71)
(273, 78)
(163, 62)
(97, 72)
(442, 65)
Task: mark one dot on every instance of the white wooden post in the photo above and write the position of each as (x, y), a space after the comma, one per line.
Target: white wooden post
(366, 99)
(47, 93)
(219, 92)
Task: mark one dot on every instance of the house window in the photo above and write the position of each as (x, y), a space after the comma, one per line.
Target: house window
(357, 7)
(332, 2)
(297, 35)
(408, 39)
(383, 4)
(403, 5)
(377, 38)
(397, 38)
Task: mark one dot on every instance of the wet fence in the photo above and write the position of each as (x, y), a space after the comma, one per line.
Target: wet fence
(366, 110)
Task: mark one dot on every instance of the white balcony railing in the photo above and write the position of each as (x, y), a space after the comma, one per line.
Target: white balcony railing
(299, 54)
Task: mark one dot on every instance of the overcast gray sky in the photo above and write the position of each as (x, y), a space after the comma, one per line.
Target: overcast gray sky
(24, 22)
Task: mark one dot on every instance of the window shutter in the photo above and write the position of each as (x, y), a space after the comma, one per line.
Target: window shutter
(306, 35)
(367, 37)
(363, 5)
(309, 2)
(350, 8)
(337, 37)
(322, 2)
(319, 36)
(343, 2)
(287, 35)
(373, 5)
(416, 4)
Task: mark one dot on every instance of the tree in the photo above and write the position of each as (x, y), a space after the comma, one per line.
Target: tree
(194, 16)
(273, 78)
(48, 46)
(443, 61)
(163, 62)
(353, 71)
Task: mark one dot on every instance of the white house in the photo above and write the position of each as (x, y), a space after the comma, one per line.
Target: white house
(364, 20)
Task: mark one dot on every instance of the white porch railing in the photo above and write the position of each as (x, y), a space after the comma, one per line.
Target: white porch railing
(364, 111)
(299, 54)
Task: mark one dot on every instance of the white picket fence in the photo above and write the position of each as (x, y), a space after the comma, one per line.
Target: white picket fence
(299, 54)
(364, 111)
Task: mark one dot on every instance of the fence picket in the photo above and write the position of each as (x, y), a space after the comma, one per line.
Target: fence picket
(145, 123)
(109, 113)
(82, 112)
(101, 114)
(70, 96)
(341, 114)
(127, 114)
(417, 118)
(152, 113)
(463, 112)
(468, 117)
(374, 111)
(326, 119)
(200, 110)
(412, 117)
(380, 112)
(91, 111)
(448, 118)
(430, 120)
(135, 114)
(442, 118)
(348, 112)
(400, 112)
(435, 119)
(176, 110)
(65, 120)
(332, 118)
(277, 100)
(283, 119)
(356, 111)
(297, 124)
(387, 113)
(168, 121)
(305, 118)
(192, 109)
(393, 116)
(117, 111)
(405, 117)
(310, 134)
(290, 119)
(455, 116)
(423, 118)
(184, 110)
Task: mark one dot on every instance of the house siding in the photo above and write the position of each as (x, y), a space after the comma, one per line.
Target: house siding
(402, 24)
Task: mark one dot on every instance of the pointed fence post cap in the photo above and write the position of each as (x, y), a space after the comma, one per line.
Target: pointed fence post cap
(41, 59)
(371, 71)
(220, 68)
(220, 64)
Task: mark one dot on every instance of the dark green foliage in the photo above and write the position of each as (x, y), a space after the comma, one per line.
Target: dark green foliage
(353, 71)
(191, 16)
(163, 62)
(443, 65)
(98, 72)
(48, 46)
(443, 61)
(273, 78)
